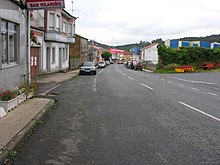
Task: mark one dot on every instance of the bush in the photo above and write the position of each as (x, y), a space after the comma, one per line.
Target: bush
(171, 67)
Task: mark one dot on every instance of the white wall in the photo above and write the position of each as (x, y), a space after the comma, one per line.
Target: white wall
(16, 74)
(54, 67)
(150, 54)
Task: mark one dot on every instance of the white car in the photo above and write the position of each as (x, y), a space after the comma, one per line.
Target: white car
(87, 68)
(101, 64)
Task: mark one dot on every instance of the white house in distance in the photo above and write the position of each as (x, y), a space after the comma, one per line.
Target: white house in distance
(150, 53)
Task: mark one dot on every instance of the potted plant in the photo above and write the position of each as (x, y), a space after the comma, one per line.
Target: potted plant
(8, 100)
(30, 89)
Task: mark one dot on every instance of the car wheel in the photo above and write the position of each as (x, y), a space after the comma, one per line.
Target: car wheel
(94, 73)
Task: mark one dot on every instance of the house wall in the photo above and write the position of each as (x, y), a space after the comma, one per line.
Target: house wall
(150, 54)
(204, 44)
(57, 64)
(14, 74)
(215, 45)
(75, 60)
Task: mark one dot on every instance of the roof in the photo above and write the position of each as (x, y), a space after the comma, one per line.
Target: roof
(68, 14)
(81, 37)
(149, 46)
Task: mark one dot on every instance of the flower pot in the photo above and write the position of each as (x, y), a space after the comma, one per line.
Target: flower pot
(9, 105)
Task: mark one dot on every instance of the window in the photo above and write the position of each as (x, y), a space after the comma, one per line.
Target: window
(58, 23)
(53, 55)
(9, 42)
(64, 54)
(70, 29)
(73, 32)
(51, 21)
(64, 27)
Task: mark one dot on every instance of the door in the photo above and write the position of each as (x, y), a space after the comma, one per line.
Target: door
(35, 54)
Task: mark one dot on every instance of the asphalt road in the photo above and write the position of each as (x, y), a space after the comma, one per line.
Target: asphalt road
(126, 117)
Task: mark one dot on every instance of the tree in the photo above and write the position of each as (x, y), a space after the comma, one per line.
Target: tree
(106, 55)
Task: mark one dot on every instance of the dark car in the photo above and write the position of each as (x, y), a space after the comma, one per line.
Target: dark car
(87, 68)
(138, 67)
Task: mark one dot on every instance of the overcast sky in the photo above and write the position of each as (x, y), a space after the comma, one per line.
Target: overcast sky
(118, 22)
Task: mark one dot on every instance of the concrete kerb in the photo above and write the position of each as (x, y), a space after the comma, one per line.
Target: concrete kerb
(145, 70)
(24, 131)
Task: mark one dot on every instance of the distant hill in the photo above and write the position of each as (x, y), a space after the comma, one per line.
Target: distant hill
(141, 44)
(212, 38)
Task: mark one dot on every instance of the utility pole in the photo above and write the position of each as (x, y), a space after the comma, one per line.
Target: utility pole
(72, 7)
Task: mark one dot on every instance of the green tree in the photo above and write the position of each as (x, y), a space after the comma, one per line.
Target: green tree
(106, 55)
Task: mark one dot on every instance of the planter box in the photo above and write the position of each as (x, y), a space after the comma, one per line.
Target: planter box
(21, 98)
(9, 105)
(30, 95)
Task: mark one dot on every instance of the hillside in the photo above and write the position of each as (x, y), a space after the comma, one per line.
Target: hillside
(141, 44)
(212, 38)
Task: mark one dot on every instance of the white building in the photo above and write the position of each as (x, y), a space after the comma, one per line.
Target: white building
(150, 53)
(54, 30)
(13, 46)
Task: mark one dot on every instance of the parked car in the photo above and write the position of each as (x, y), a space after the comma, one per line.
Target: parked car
(138, 67)
(87, 68)
(120, 62)
(111, 62)
(107, 62)
(101, 64)
(207, 65)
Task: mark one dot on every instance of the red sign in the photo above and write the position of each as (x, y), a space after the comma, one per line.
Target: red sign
(113, 51)
(44, 4)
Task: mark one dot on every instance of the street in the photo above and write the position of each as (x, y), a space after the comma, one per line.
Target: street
(123, 116)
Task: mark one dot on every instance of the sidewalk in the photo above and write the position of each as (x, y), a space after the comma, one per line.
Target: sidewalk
(17, 123)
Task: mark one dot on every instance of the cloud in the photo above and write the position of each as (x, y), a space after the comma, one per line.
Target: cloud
(118, 22)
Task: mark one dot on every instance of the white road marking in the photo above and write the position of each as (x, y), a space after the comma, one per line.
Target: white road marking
(95, 80)
(101, 71)
(200, 82)
(213, 94)
(162, 79)
(195, 109)
(130, 78)
(123, 74)
(169, 81)
(146, 86)
(181, 85)
(194, 89)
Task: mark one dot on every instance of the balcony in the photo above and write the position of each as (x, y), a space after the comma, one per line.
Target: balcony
(57, 37)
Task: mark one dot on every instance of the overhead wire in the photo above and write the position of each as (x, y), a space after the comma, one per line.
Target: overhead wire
(196, 6)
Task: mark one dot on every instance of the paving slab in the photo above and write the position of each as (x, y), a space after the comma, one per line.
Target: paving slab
(16, 124)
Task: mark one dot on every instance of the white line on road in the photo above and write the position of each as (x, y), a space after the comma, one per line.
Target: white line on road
(146, 86)
(195, 109)
(169, 81)
(101, 71)
(130, 78)
(213, 94)
(181, 85)
(162, 79)
(194, 89)
(123, 74)
(200, 82)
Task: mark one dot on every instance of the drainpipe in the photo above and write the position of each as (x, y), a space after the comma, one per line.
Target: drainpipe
(28, 49)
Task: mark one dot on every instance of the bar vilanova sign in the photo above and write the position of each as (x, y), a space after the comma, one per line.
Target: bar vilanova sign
(44, 4)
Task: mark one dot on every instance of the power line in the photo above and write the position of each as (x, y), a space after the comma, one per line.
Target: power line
(196, 6)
